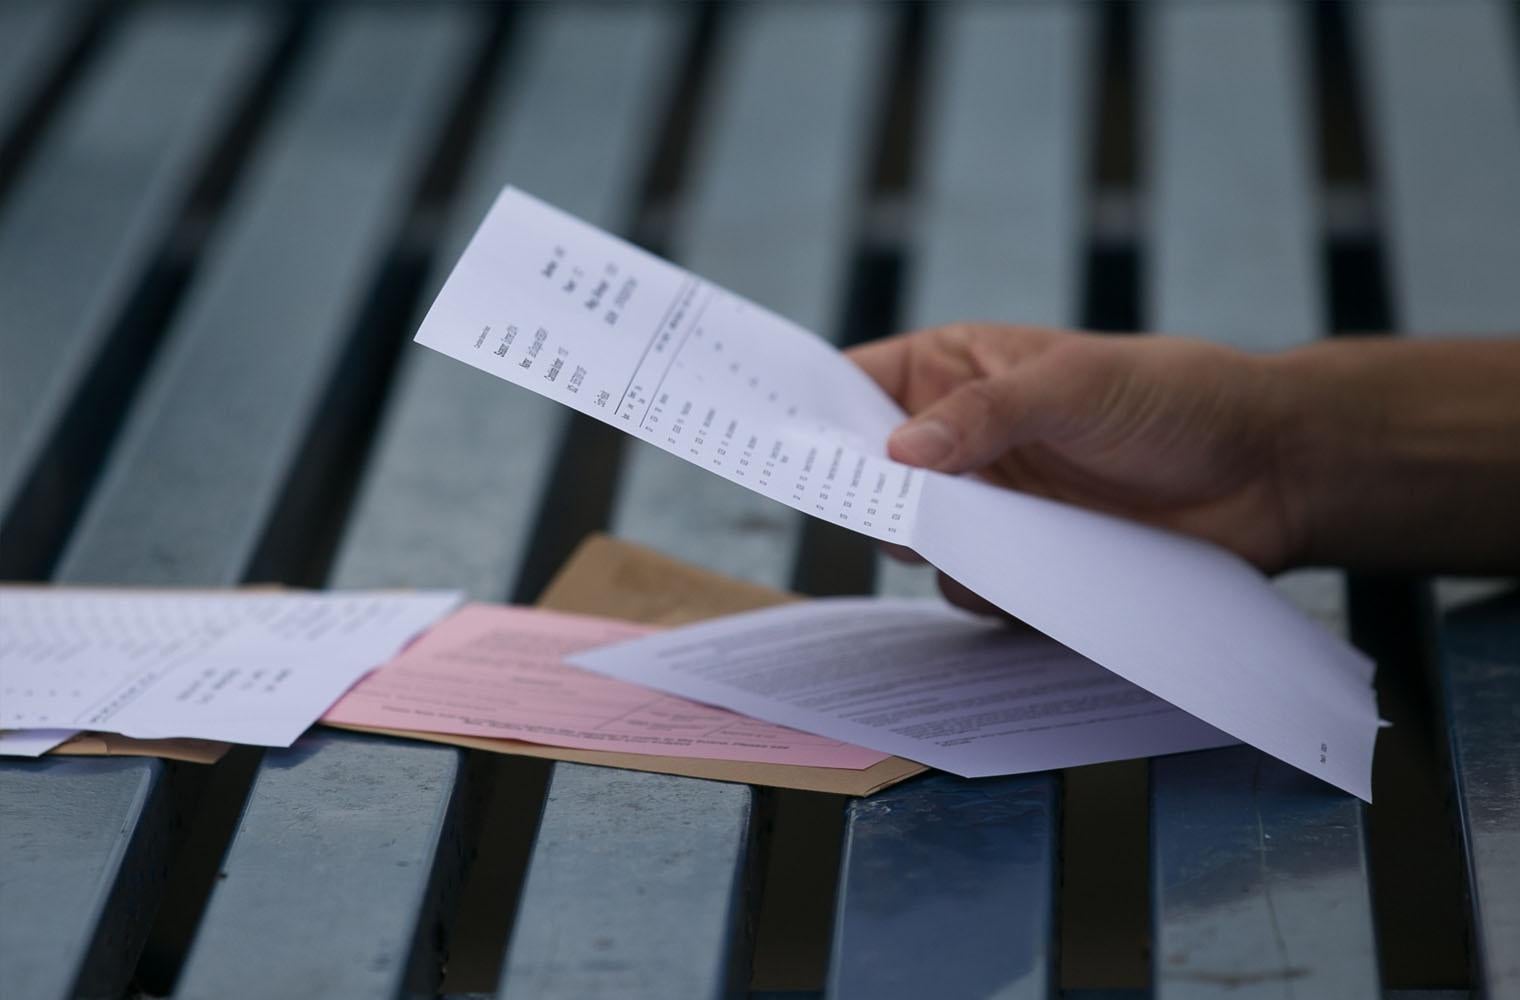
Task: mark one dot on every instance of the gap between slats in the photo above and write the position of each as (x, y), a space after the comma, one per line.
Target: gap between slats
(1417, 874)
(806, 837)
(57, 487)
(577, 501)
(93, 24)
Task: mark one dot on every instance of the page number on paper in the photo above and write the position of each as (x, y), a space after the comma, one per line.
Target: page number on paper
(1324, 752)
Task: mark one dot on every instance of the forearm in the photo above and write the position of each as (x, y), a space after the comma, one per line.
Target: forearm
(1402, 455)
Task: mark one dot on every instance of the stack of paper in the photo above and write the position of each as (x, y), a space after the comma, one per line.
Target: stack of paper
(498, 671)
(912, 678)
(253, 667)
(621, 582)
(843, 695)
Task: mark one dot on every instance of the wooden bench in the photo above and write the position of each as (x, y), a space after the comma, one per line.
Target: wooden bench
(219, 225)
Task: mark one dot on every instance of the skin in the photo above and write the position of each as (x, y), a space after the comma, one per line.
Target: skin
(1370, 453)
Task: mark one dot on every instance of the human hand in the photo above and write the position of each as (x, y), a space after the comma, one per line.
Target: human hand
(1177, 433)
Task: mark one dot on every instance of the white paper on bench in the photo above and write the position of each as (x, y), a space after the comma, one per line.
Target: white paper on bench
(32, 742)
(557, 306)
(912, 678)
(244, 667)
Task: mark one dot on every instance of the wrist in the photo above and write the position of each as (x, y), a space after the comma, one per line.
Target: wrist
(1328, 427)
(1399, 455)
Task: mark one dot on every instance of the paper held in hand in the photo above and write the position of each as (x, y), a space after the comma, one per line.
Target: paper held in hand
(552, 304)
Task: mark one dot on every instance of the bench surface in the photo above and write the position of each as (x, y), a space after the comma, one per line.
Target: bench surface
(220, 224)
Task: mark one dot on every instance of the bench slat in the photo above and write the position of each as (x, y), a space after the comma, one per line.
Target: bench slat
(1007, 141)
(948, 886)
(344, 849)
(84, 843)
(437, 428)
(1005, 179)
(121, 155)
(81, 227)
(1440, 82)
(203, 465)
(262, 332)
(774, 194)
(634, 890)
(569, 120)
(1232, 203)
(1259, 876)
(673, 852)
(1443, 87)
(1259, 880)
(1480, 661)
(33, 36)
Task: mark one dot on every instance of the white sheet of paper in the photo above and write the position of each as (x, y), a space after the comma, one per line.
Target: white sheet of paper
(912, 678)
(242, 667)
(32, 742)
(555, 305)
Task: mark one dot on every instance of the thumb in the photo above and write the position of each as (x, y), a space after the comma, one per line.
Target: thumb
(973, 425)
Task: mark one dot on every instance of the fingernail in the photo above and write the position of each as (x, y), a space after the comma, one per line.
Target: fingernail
(923, 442)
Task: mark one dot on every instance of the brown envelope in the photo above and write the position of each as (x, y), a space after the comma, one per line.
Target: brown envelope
(606, 576)
(112, 745)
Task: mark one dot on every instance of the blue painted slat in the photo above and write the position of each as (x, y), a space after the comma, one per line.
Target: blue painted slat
(945, 890)
(780, 159)
(787, 142)
(551, 127)
(621, 898)
(948, 886)
(74, 240)
(82, 225)
(344, 847)
(665, 855)
(1006, 148)
(1258, 881)
(84, 845)
(1480, 666)
(1005, 157)
(200, 466)
(33, 37)
(1441, 85)
(570, 120)
(1232, 207)
(1259, 876)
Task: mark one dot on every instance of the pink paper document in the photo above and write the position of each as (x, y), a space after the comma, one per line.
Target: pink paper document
(498, 671)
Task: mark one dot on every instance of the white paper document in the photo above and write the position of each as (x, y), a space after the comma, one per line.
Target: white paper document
(242, 667)
(555, 305)
(916, 679)
(32, 742)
